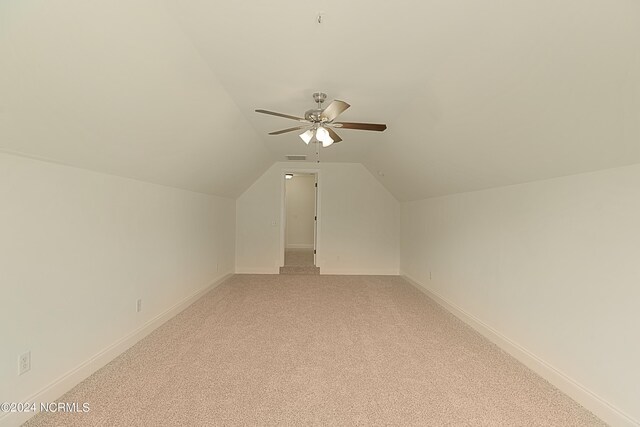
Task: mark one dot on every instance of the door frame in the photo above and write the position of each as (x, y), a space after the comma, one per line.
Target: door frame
(283, 210)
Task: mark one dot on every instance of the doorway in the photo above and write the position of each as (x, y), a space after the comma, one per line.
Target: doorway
(300, 219)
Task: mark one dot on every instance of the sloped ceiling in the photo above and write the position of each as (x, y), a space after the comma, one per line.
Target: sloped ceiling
(117, 87)
(476, 93)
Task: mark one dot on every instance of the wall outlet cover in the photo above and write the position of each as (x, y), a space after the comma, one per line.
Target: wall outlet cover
(24, 363)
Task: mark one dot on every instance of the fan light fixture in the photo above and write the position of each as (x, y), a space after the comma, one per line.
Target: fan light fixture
(288, 176)
(306, 136)
(321, 134)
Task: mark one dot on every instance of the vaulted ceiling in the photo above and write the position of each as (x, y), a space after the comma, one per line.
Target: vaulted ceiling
(476, 93)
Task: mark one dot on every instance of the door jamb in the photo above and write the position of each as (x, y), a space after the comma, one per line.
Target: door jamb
(283, 208)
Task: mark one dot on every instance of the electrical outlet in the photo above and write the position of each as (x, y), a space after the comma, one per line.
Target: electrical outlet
(139, 305)
(24, 363)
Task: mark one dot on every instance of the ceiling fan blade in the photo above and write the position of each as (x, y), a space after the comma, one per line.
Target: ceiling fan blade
(361, 126)
(334, 109)
(278, 132)
(336, 138)
(286, 116)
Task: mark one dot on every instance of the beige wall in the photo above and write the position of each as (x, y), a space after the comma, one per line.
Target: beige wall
(300, 207)
(552, 267)
(78, 248)
(358, 222)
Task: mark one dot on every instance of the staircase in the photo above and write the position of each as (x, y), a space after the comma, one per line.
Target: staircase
(299, 261)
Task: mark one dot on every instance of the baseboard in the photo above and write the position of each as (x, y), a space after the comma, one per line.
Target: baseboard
(299, 246)
(69, 380)
(358, 271)
(591, 401)
(272, 270)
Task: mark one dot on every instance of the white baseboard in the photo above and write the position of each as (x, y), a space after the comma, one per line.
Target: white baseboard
(358, 271)
(299, 245)
(325, 271)
(272, 270)
(591, 401)
(69, 380)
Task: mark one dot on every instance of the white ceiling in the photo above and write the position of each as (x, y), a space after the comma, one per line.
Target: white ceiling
(476, 93)
(117, 87)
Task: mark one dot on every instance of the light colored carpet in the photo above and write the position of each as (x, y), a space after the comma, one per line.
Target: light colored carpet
(317, 350)
(299, 269)
(298, 257)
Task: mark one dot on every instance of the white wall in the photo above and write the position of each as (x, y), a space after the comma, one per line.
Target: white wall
(358, 222)
(552, 266)
(78, 248)
(300, 204)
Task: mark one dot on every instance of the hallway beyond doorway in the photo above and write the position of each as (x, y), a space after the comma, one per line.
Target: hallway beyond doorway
(299, 261)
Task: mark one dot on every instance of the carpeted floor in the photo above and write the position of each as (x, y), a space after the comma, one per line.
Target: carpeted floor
(317, 350)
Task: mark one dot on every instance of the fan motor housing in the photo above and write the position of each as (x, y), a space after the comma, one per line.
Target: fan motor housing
(314, 115)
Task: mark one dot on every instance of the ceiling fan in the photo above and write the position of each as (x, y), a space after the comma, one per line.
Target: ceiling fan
(321, 122)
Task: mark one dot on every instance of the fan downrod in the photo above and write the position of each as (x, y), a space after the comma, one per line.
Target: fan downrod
(315, 114)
